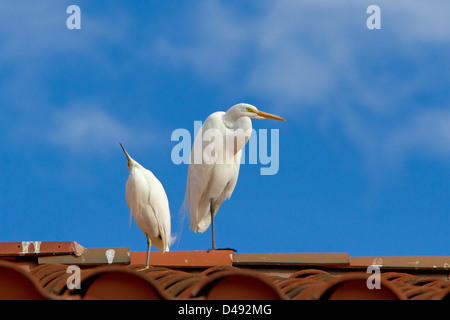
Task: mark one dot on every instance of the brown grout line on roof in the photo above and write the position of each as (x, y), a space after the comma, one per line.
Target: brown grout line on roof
(95, 256)
(294, 287)
(295, 259)
(311, 273)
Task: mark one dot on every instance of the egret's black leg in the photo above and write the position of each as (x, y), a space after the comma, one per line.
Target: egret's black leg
(211, 208)
(149, 245)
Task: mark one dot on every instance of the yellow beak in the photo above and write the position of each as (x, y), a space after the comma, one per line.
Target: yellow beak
(268, 115)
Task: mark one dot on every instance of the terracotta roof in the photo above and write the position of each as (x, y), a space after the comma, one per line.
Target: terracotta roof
(40, 270)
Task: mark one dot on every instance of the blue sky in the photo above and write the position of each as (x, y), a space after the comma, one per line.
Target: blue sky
(364, 153)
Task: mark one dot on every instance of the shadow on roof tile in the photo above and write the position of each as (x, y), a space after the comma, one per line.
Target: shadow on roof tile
(353, 286)
(118, 283)
(17, 284)
(236, 285)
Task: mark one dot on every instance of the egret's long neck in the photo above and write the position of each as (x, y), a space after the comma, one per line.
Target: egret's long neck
(243, 123)
(230, 117)
(241, 129)
(135, 165)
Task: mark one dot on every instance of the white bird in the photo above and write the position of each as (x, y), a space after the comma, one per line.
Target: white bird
(149, 206)
(212, 176)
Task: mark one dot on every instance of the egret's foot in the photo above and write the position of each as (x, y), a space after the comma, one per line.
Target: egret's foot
(143, 269)
(222, 249)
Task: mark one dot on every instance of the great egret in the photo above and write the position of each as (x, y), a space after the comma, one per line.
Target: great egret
(211, 179)
(149, 206)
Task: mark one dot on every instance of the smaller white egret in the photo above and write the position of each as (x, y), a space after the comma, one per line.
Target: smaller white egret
(149, 206)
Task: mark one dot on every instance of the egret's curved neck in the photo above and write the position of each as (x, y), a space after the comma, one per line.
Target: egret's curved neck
(233, 119)
(230, 117)
(243, 123)
(228, 121)
(241, 129)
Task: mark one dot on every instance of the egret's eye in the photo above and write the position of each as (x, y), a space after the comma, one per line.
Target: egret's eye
(249, 110)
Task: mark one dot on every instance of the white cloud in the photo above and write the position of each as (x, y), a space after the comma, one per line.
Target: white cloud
(218, 41)
(422, 21)
(35, 41)
(426, 132)
(320, 57)
(85, 129)
(316, 57)
(285, 51)
(33, 29)
(92, 130)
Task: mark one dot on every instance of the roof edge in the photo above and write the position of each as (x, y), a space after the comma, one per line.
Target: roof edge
(403, 262)
(295, 259)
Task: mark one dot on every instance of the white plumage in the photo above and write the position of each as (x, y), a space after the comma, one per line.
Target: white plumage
(211, 180)
(149, 205)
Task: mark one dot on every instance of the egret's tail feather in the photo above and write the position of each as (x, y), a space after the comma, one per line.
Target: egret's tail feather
(204, 224)
(171, 241)
(131, 218)
(182, 213)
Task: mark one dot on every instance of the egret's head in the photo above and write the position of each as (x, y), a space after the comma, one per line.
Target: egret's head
(253, 113)
(129, 159)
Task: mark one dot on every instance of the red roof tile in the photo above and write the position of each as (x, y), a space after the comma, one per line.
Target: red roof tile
(215, 275)
(40, 248)
(182, 259)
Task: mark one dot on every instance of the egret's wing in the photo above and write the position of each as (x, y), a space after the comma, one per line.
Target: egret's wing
(233, 177)
(199, 176)
(129, 199)
(159, 203)
(149, 206)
